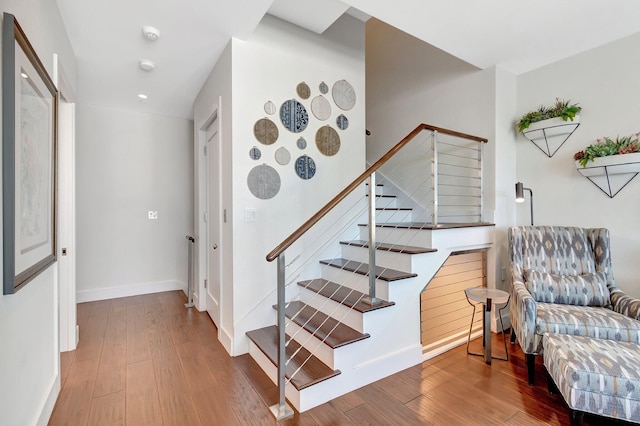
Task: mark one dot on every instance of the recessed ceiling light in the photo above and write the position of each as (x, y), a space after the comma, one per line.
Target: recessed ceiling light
(152, 33)
(146, 64)
(24, 75)
(142, 97)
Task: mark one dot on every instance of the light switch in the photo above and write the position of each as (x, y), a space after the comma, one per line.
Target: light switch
(250, 215)
(153, 215)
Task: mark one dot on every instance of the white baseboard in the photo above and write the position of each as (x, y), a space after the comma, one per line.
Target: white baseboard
(49, 403)
(128, 290)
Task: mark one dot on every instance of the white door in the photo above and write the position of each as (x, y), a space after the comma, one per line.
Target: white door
(213, 223)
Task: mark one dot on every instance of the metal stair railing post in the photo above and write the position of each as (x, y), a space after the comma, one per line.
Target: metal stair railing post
(434, 181)
(281, 410)
(371, 298)
(480, 172)
(189, 303)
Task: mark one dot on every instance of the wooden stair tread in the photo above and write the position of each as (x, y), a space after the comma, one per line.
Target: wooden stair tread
(328, 329)
(385, 274)
(428, 226)
(407, 209)
(341, 294)
(382, 196)
(397, 248)
(313, 370)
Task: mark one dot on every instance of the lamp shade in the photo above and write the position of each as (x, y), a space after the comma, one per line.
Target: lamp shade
(519, 192)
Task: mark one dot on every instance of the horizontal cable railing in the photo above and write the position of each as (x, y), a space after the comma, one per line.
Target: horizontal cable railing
(432, 174)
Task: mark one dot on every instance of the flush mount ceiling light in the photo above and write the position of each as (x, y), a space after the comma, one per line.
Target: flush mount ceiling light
(142, 97)
(152, 33)
(146, 64)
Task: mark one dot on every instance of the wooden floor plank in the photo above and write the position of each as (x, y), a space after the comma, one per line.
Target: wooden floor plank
(137, 338)
(142, 401)
(113, 359)
(74, 402)
(108, 410)
(195, 367)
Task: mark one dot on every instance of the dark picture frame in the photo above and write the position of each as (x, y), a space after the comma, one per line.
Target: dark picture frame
(29, 166)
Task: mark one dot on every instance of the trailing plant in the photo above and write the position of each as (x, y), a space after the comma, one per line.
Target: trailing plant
(606, 146)
(561, 108)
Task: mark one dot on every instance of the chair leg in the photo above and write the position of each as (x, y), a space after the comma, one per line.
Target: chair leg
(531, 365)
(576, 417)
(513, 336)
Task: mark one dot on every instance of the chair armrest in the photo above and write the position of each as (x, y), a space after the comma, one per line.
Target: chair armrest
(625, 304)
(524, 312)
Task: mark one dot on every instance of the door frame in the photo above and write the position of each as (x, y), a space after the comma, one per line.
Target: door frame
(201, 199)
(68, 332)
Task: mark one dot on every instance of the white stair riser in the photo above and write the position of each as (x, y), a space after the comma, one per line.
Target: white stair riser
(406, 237)
(351, 317)
(384, 258)
(384, 216)
(291, 393)
(355, 281)
(389, 202)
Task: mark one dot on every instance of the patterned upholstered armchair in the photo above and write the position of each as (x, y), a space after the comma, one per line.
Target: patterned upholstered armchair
(562, 282)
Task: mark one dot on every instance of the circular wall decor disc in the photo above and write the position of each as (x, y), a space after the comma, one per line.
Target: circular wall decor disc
(255, 153)
(265, 131)
(305, 167)
(283, 156)
(294, 116)
(342, 122)
(270, 108)
(324, 89)
(344, 95)
(320, 107)
(303, 90)
(263, 182)
(301, 143)
(327, 141)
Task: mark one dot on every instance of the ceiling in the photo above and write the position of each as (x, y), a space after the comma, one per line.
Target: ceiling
(518, 35)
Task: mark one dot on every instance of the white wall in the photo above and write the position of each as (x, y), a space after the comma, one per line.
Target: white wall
(268, 66)
(128, 164)
(29, 358)
(605, 82)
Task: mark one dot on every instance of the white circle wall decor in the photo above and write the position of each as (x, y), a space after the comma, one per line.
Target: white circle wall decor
(324, 89)
(320, 107)
(305, 167)
(303, 90)
(265, 131)
(294, 116)
(270, 108)
(255, 153)
(301, 143)
(342, 122)
(282, 156)
(264, 182)
(344, 95)
(327, 141)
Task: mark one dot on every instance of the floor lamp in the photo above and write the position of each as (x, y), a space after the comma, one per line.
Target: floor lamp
(520, 196)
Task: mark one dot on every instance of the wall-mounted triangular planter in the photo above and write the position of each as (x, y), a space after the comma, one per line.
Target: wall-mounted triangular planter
(611, 173)
(549, 135)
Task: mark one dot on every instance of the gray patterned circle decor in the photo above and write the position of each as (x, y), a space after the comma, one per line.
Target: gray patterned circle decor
(294, 116)
(270, 108)
(301, 143)
(305, 167)
(327, 141)
(303, 90)
(282, 156)
(321, 108)
(342, 122)
(263, 182)
(344, 95)
(324, 89)
(255, 153)
(265, 131)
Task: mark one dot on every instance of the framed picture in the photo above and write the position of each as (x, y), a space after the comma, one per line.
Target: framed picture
(29, 117)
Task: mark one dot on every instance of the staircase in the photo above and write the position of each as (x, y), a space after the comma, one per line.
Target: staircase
(336, 341)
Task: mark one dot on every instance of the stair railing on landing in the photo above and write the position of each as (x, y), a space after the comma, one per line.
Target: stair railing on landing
(451, 189)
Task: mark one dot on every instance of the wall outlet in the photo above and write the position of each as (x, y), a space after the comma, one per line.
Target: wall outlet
(153, 215)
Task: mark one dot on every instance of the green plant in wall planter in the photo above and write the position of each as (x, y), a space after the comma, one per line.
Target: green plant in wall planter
(549, 127)
(610, 164)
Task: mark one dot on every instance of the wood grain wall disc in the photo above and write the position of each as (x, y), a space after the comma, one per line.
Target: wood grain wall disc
(264, 182)
(303, 90)
(327, 141)
(320, 107)
(344, 95)
(265, 131)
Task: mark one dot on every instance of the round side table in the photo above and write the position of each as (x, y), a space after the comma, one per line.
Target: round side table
(488, 297)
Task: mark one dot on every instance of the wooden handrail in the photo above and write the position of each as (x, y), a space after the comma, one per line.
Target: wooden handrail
(280, 248)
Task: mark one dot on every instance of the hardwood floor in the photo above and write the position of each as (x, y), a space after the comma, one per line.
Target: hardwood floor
(147, 360)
